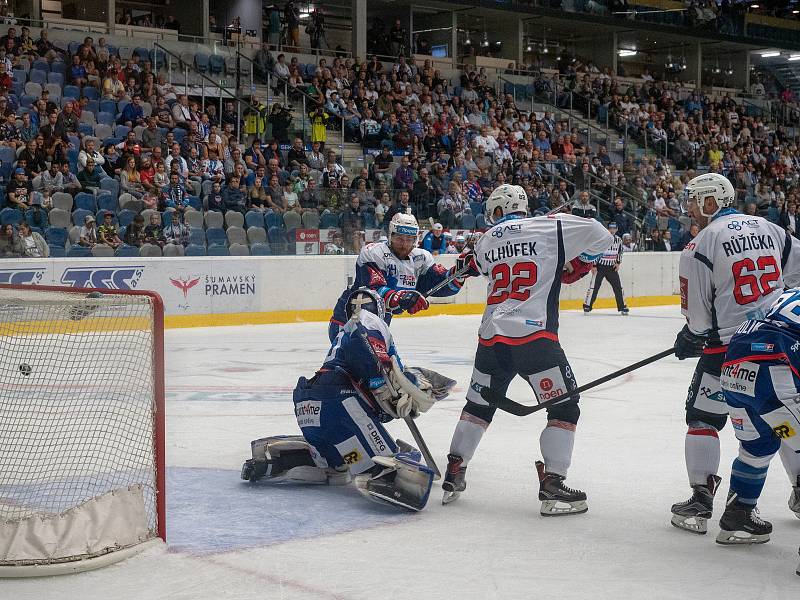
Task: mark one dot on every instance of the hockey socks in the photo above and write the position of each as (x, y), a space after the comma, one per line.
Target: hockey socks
(702, 453)
(467, 436)
(556, 443)
(748, 475)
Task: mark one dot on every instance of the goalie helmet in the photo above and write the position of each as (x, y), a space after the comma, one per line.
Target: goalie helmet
(403, 224)
(510, 199)
(711, 184)
(365, 298)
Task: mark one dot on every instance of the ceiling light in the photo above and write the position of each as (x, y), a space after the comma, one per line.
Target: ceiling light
(794, 57)
(770, 54)
(528, 48)
(626, 52)
(795, 12)
(754, 6)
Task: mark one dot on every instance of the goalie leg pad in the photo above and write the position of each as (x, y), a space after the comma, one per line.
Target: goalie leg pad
(397, 481)
(290, 458)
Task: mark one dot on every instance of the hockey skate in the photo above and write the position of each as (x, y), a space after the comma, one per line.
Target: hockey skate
(693, 514)
(740, 524)
(454, 479)
(289, 459)
(794, 500)
(558, 499)
(587, 308)
(624, 311)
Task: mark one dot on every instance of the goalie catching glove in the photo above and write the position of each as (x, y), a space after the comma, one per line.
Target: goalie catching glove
(575, 269)
(411, 392)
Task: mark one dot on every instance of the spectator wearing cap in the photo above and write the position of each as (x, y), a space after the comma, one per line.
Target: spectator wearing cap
(18, 190)
(457, 245)
(88, 233)
(434, 241)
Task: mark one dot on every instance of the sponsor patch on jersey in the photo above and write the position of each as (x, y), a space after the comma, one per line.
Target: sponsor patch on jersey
(784, 430)
(740, 378)
(743, 426)
(759, 347)
(354, 454)
(367, 426)
(684, 283)
(737, 424)
(307, 413)
(533, 323)
(548, 384)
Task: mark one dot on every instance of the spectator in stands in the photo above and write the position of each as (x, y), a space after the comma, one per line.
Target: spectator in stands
(31, 243)
(51, 180)
(35, 159)
(233, 196)
(113, 88)
(181, 113)
(90, 152)
(88, 233)
(583, 208)
(45, 48)
(404, 175)
(297, 154)
(70, 181)
(56, 142)
(215, 200)
(18, 190)
(10, 245)
(453, 206)
(130, 180)
(89, 178)
(316, 159)
(620, 217)
(400, 205)
(628, 245)
(435, 241)
(319, 120)
(154, 232)
(351, 221)
(176, 232)
(107, 232)
(135, 232)
(133, 113)
(254, 157)
(310, 198)
(77, 72)
(174, 195)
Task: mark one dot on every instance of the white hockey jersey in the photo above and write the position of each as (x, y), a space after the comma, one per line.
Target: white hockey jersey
(733, 270)
(524, 259)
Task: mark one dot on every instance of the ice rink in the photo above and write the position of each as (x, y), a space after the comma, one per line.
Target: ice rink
(231, 539)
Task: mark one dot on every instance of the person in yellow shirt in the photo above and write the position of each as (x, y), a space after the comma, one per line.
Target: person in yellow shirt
(319, 119)
(714, 155)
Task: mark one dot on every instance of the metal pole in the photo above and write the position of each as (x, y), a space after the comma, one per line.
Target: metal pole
(304, 116)
(186, 80)
(203, 94)
(239, 122)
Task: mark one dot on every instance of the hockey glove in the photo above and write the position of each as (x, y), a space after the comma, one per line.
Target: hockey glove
(689, 344)
(575, 269)
(409, 300)
(466, 260)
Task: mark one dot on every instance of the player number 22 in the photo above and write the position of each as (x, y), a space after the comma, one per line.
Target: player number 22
(512, 282)
(748, 284)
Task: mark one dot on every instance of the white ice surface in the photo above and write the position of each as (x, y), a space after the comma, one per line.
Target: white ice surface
(230, 539)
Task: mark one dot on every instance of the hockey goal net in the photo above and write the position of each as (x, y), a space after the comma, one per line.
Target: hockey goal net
(81, 427)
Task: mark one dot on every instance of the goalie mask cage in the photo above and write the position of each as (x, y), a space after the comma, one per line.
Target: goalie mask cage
(81, 427)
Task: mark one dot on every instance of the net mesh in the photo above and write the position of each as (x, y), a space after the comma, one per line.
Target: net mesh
(77, 401)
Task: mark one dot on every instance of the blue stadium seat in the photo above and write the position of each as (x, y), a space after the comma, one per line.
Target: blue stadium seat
(105, 118)
(195, 202)
(38, 76)
(201, 61)
(57, 78)
(41, 65)
(126, 250)
(197, 236)
(10, 215)
(7, 154)
(72, 91)
(93, 106)
(108, 106)
(56, 236)
(369, 220)
(120, 131)
(18, 88)
(328, 221)
(158, 58)
(57, 251)
(58, 66)
(85, 201)
(468, 222)
(273, 220)
(19, 74)
(254, 219)
(125, 217)
(215, 235)
(110, 185)
(480, 222)
(260, 249)
(179, 134)
(217, 250)
(194, 250)
(77, 250)
(216, 64)
(142, 53)
(85, 129)
(476, 207)
(73, 47)
(27, 100)
(32, 220)
(89, 92)
(79, 214)
(107, 202)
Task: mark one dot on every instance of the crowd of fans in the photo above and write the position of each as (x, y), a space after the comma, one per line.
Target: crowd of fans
(438, 147)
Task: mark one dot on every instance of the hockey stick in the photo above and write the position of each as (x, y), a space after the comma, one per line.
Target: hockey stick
(522, 410)
(412, 427)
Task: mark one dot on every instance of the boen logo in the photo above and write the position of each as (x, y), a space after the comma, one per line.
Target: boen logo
(546, 384)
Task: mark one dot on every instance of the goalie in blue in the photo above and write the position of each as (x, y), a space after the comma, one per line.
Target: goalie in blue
(761, 384)
(341, 411)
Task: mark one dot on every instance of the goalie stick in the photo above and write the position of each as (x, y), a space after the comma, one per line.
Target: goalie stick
(522, 410)
(412, 427)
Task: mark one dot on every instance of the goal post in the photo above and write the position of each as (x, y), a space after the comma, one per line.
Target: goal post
(82, 465)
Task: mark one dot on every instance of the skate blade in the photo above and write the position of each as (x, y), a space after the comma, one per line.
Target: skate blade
(554, 508)
(740, 538)
(698, 525)
(449, 496)
(391, 501)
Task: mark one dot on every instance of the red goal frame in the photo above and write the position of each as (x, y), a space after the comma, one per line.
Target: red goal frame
(159, 421)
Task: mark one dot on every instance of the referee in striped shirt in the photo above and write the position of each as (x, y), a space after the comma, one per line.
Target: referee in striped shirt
(607, 268)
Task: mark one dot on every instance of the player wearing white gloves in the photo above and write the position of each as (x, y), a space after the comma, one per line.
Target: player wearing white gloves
(526, 260)
(341, 410)
(732, 271)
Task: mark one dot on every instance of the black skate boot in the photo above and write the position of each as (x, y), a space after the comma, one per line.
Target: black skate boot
(740, 524)
(794, 499)
(693, 514)
(587, 308)
(454, 479)
(624, 310)
(558, 499)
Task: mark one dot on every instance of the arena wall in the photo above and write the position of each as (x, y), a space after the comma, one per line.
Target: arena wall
(203, 291)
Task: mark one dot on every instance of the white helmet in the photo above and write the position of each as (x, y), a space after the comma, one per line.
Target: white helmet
(510, 198)
(403, 224)
(703, 186)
